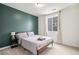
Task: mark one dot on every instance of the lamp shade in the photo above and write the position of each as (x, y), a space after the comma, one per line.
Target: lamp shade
(12, 33)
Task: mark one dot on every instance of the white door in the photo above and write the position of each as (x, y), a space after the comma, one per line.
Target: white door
(52, 27)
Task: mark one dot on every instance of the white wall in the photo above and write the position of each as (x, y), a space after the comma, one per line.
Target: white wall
(70, 25)
(41, 25)
(69, 19)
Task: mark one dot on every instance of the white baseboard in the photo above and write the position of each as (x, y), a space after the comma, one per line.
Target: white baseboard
(67, 45)
(5, 47)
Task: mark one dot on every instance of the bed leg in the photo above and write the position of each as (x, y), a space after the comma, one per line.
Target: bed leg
(37, 53)
(52, 43)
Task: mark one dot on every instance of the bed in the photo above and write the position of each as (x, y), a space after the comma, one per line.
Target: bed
(31, 42)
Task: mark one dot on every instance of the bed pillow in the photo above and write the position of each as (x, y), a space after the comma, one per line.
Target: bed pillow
(30, 33)
(24, 34)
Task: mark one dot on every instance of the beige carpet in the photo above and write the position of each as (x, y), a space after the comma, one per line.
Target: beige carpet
(55, 50)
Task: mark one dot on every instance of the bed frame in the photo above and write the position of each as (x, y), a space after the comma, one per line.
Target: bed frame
(43, 48)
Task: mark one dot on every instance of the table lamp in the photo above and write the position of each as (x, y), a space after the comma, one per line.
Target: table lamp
(13, 35)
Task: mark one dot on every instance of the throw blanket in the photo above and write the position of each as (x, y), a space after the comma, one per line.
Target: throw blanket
(41, 39)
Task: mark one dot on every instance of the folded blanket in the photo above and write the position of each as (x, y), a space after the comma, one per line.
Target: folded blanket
(41, 39)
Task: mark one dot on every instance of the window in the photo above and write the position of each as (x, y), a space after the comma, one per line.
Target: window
(50, 24)
(53, 23)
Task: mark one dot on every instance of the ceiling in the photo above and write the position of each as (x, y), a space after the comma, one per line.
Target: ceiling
(32, 9)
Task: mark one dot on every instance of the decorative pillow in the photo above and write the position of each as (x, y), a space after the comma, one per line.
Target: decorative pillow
(30, 33)
(24, 34)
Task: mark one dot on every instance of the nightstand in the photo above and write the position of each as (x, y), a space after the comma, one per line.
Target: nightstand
(14, 41)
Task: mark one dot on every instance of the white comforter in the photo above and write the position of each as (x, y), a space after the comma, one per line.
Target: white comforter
(33, 44)
(39, 44)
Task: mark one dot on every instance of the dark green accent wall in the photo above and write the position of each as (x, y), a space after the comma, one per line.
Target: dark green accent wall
(13, 20)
